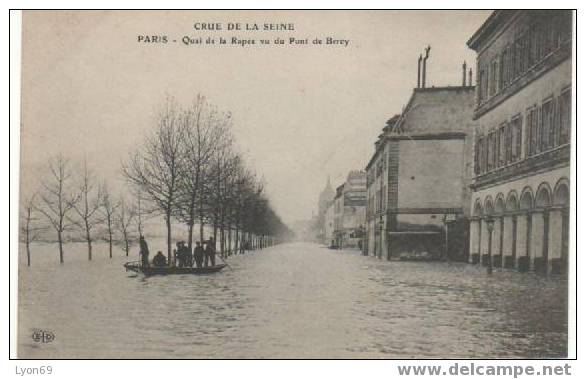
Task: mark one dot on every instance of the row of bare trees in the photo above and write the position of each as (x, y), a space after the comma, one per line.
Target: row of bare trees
(190, 171)
(186, 170)
(71, 200)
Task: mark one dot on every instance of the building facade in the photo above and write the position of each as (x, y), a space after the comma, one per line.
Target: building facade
(522, 141)
(329, 224)
(377, 180)
(350, 211)
(418, 179)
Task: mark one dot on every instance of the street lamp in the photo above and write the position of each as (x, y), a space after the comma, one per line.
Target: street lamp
(489, 225)
(381, 225)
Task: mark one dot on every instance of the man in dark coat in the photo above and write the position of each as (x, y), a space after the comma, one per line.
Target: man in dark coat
(210, 252)
(180, 254)
(144, 251)
(187, 255)
(198, 254)
(159, 260)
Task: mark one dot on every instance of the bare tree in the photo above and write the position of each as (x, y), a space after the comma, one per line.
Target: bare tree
(154, 169)
(205, 132)
(56, 200)
(87, 207)
(30, 230)
(109, 211)
(124, 218)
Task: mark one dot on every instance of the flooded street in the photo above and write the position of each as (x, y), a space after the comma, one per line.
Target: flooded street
(296, 300)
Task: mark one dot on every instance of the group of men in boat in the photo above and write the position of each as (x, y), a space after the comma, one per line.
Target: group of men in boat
(203, 255)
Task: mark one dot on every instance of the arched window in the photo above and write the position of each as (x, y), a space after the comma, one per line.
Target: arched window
(562, 193)
(543, 196)
(499, 205)
(478, 208)
(512, 204)
(526, 201)
(488, 207)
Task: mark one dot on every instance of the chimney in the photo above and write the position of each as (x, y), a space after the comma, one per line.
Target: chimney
(470, 77)
(419, 71)
(464, 74)
(425, 65)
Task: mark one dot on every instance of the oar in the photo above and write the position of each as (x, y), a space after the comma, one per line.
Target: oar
(223, 260)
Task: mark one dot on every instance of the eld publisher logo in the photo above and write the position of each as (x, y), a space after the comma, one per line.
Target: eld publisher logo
(43, 336)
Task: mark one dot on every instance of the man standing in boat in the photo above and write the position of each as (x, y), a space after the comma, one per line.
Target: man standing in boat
(198, 254)
(180, 258)
(187, 255)
(144, 252)
(211, 252)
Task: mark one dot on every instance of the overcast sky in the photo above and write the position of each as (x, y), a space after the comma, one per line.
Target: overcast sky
(301, 113)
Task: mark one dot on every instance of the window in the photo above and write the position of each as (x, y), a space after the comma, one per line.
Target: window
(547, 126)
(495, 148)
(481, 86)
(565, 116)
(518, 58)
(516, 134)
(477, 156)
(533, 132)
(493, 77)
(502, 159)
(503, 79)
(509, 143)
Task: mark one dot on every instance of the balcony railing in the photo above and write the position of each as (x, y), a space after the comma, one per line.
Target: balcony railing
(535, 163)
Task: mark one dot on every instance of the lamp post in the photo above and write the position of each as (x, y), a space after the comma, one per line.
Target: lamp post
(381, 225)
(489, 225)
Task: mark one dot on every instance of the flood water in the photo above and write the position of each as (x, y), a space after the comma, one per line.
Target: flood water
(296, 300)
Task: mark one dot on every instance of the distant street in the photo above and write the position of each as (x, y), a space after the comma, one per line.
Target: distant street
(296, 300)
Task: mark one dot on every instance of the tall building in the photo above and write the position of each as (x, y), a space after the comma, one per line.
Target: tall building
(350, 211)
(522, 141)
(329, 225)
(418, 178)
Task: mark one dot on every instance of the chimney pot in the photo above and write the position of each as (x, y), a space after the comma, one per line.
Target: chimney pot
(425, 65)
(419, 71)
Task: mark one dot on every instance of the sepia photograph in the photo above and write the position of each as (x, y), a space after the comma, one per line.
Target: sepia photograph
(296, 184)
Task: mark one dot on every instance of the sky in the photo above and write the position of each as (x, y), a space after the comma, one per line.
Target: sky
(301, 112)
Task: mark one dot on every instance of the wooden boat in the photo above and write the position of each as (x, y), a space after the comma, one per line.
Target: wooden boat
(171, 270)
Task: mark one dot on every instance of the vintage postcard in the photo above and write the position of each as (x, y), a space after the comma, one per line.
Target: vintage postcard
(296, 184)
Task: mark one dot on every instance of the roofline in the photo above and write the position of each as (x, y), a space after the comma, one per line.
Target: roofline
(489, 26)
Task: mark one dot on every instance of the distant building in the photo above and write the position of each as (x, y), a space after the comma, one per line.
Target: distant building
(418, 177)
(329, 224)
(522, 143)
(350, 211)
(325, 199)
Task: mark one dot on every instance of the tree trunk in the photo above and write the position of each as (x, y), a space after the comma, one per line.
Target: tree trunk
(110, 242)
(229, 240)
(190, 236)
(222, 242)
(127, 248)
(88, 238)
(201, 230)
(60, 239)
(28, 252)
(168, 224)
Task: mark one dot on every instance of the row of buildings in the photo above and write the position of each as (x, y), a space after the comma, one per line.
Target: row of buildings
(344, 212)
(476, 172)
